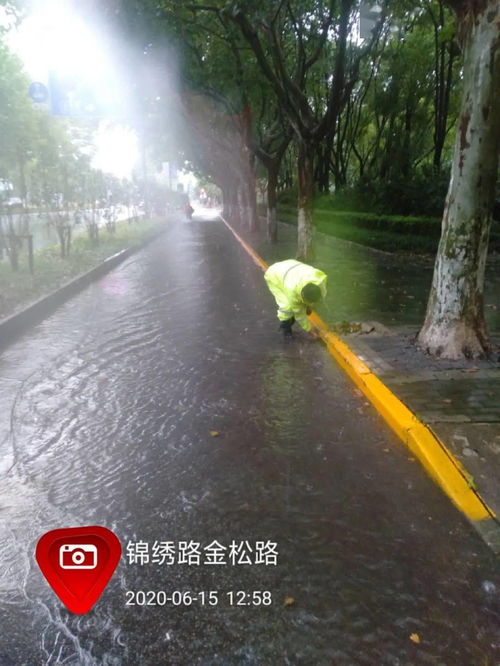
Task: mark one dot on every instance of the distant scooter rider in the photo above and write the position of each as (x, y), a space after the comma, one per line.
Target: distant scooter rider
(189, 210)
(296, 287)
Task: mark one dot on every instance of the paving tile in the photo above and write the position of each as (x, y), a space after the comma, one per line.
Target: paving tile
(483, 440)
(462, 407)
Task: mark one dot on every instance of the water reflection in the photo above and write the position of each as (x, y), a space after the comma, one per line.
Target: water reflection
(366, 284)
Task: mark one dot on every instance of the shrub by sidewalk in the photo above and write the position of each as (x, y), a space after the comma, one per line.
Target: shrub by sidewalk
(18, 289)
(391, 233)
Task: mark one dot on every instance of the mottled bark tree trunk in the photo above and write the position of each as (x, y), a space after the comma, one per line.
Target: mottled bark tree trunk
(454, 325)
(305, 202)
(23, 190)
(231, 203)
(272, 213)
(251, 199)
(225, 201)
(323, 157)
(249, 193)
(241, 198)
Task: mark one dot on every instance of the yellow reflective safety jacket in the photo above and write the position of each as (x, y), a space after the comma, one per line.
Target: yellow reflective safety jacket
(286, 279)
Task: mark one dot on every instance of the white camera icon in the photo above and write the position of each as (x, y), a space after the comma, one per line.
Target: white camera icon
(78, 556)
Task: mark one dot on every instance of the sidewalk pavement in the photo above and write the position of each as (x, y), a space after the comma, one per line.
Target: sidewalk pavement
(458, 400)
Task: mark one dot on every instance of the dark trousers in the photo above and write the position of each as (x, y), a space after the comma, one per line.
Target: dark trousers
(286, 326)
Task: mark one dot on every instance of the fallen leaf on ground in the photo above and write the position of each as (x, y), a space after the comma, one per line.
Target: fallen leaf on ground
(385, 450)
(473, 369)
(215, 433)
(415, 638)
(360, 410)
(289, 601)
(358, 392)
(447, 400)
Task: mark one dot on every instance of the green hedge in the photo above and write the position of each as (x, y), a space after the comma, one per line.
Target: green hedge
(385, 232)
(400, 224)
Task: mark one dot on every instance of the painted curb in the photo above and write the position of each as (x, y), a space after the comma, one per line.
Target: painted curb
(438, 462)
(13, 325)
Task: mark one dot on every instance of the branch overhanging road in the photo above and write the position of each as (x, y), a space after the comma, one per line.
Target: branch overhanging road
(108, 414)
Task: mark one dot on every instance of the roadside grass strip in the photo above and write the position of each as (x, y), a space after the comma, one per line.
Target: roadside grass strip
(437, 460)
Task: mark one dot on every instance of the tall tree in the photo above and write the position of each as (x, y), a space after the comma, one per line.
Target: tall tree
(211, 62)
(18, 131)
(287, 42)
(454, 325)
(270, 140)
(445, 53)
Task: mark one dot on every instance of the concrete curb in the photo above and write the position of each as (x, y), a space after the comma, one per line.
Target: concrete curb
(439, 463)
(13, 325)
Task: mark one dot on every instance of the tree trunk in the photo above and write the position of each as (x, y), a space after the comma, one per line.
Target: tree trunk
(241, 201)
(454, 325)
(251, 200)
(305, 201)
(388, 154)
(13, 247)
(225, 201)
(22, 176)
(231, 202)
(272, 217)
(406, 148)
(322, 172)
(235, 206)
(442, 100)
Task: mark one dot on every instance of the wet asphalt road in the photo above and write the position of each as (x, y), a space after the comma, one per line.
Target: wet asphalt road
(106, 413)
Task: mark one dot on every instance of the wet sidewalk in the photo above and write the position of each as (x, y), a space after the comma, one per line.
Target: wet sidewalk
(162, 403)
(459, 401)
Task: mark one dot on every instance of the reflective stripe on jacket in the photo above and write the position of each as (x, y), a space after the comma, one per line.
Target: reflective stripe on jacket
(286, 279)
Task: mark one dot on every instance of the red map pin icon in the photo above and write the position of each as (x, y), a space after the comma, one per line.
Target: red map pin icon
(78, 563)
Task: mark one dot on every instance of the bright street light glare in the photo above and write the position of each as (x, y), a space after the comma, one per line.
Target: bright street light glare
(53, 38)
(117, 150)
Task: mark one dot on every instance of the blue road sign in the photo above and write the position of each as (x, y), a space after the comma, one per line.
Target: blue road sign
(38, 92)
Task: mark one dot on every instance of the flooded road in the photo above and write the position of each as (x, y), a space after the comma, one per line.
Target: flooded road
(163, 404)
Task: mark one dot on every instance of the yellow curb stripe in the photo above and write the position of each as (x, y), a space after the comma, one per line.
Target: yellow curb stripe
(440, 464)
(256, 258)
(433, 455)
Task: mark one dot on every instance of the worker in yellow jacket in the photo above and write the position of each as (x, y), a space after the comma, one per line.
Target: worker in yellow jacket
(296, 287)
